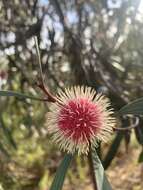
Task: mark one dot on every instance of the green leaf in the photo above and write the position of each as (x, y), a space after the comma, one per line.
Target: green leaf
(4, 151)
(18, 95)
(101, 179)
(139, 133)
(113, 149)
(135, 107)
(7, 133)
(140, 159)
(58, 181)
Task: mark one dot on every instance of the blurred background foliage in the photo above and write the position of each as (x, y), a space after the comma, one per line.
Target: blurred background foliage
(96, 43)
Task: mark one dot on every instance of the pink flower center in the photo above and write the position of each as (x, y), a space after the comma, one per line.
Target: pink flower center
(80, 119)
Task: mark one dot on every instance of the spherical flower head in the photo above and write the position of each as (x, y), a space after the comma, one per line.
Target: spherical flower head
(79, 119)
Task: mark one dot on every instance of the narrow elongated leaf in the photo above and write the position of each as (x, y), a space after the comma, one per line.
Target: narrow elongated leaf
(113, 149)
(18, 95)
(139, 133)
(135, 107)
(4, 151)
(140, 159)
(101, 179)
(61, 173)
(7, 133)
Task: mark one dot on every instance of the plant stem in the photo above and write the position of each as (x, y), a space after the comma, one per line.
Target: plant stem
(134, 125)
(39, 59)
(41, 84)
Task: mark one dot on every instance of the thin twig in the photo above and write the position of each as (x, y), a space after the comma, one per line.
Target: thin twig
(50, 98)
(41, 84)
(134, 125)
(39, 59)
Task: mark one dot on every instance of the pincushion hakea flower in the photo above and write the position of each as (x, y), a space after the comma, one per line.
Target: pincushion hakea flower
(80, 118)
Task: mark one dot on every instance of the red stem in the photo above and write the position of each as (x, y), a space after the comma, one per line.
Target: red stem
(50, 98)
